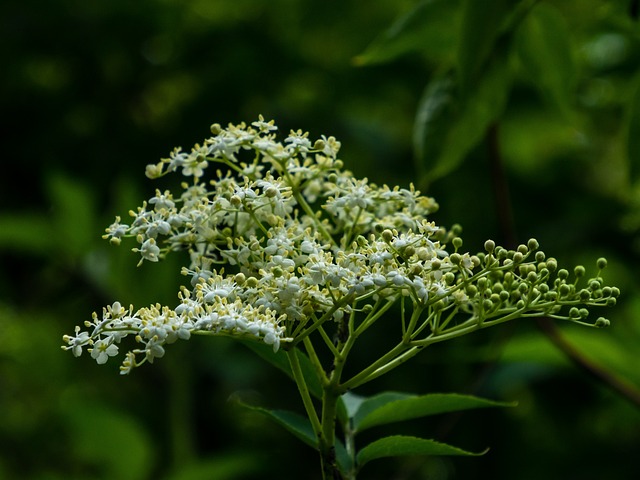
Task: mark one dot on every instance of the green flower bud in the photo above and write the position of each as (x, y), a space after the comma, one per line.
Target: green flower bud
(319, 145)
(523, 249)
(456, 242)
(487, 304)
(602, 263)
(552, 264)
(540, 256)
(563, 274)
(216, 129)
(574, 313)
(579, 271)
(252, 282)
(455, 258)
(611, 301)
(584, 313)
(489, 246)
(584, 294)
(606, 291)
(409, 251)
(602, 322)
(518, 257)
(240, 278)
(533, 244)
(564, 290)
(471, 290)
(436, 264)
(387, 235)
(504, 296)
(520, 305)
(532, 277)
(449, 278)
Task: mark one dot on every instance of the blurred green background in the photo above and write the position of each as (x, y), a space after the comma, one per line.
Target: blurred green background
(92, 91)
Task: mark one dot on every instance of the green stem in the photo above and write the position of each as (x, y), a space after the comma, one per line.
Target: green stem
(298, 377)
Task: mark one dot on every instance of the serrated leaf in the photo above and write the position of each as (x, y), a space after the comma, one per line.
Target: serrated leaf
(422, 406)
(544, 49)
(375, 402)
(400, 445)
(430, 27)
(480, 27)
(280, 361)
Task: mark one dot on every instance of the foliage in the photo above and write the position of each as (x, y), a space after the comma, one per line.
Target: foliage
(102, 88)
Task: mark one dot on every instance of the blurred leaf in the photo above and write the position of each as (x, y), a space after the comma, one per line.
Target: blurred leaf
(429, 27)
(73, 214)
(480, 27)
(28, 233)
(544, 49)
(400, 445)
(104, 438)
(225, 466)
(447, 128)
(279, 360)
(424, 405)
(633, 134)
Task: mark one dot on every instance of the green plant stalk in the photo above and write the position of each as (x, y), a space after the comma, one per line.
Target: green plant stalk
(298, 377)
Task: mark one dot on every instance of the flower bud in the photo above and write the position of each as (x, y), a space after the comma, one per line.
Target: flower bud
(602, 322)
(579, 271)
(602, 263)
(533, 244)
(489, 246)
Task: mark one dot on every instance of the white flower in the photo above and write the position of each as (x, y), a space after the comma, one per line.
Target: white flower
(102, 350)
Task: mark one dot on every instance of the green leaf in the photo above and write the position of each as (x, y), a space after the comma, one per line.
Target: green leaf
(447, 127)
(279, 360)
(430, 27)
(544, 50)
(480, 27)
(399, 445)
(73, 214)
(296, 424)
(101, 435)
(301, 427)
(375, 402)
(224, 466)
(422, 406)
(28, 233)
(633, 134)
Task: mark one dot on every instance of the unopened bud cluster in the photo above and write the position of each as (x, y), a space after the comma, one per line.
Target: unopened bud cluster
(282, 239)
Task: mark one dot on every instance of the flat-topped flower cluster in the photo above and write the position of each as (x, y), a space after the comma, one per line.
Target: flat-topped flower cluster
(282, 239)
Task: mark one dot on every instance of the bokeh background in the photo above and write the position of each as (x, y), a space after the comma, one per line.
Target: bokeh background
(92, 91)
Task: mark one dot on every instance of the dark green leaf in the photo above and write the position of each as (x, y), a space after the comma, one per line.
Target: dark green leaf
(302, 429)
(430, 27)
(421, 406)
(73, 214)
(223, 466)
(279, 360)
(293, 422)
(447, 128)
(544, 49)
(28, 233)
(633, 134)
(372, 404)
(399, 445)
(480, 27)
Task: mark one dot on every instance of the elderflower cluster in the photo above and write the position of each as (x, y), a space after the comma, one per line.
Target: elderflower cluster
(281, 239)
